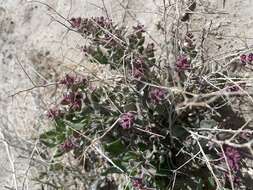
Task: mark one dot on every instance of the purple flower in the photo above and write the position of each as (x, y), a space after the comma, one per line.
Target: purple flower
(243, 58)
(127, 120)
(54, 113)
(182, 64)
(189, 35)
(68, 99)
(73, 100)
(138, 184)
(71, 81)
(150, 50)
(250, 57)
(75, 22)
(139, 28)
(68, 81)
(109, 41)
(69, 144)
(157, 95)
(150, 47)
(233, 157)
(138, 68)
(138, 73)
(188, 40)
(77, 105)
(233, 88)
(103, 22)
(236, 88)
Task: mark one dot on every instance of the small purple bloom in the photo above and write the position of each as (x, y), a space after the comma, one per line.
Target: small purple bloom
(243, 58)
(138, 68)
(189, 35)
(103, 22)
(150, 50)
(139, 28)
(250, 57)
(157, 95)
(68, 81)
(127, 120)
(138, 73)
(69, 144)
(109, 41)
(150, 47)
(75, 22)
(188, 40)
(182, 64)
(233, 157)
(77, 105)
(54, 113)
(138, 184)
(71, 81)
(68, 98)
(73, 100)
(233, 88)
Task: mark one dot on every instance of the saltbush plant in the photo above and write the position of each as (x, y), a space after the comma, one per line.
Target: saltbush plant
(157, 126)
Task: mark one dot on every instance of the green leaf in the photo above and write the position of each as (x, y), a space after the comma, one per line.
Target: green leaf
(49, 134)
(60, 125)
(77, 126)
(56, 167)
(142, 147)
(208, 123)
(100, 57)
(211, 182)
(52, 138)
(200, 185)
(111, 170)
(130, 156)
(48, 143)
(58, 153)
(115, 148)
(179, 132)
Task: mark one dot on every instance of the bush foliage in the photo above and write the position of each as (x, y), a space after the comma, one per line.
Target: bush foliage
(161, 124)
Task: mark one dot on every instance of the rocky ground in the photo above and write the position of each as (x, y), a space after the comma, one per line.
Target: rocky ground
(34, 48)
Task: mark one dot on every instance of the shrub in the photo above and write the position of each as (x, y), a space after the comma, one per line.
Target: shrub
(160, 127)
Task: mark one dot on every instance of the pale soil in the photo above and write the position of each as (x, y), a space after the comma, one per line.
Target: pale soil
(43, 48)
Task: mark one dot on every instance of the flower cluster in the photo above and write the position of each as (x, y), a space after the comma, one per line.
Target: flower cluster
(182, 64)
(75, 22)
(246, 58)
(69, 144)
(74, 97)
(139, 29)
(127, 120)
(138, 68)
(188, 40)
(136, 39)
(91, 26)
(71, 81)
(73, 100)
(150, 50)
(54, 113)
(233, 88)
(233, 157)
(157, 95)
(138, 184)
(236, 87)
